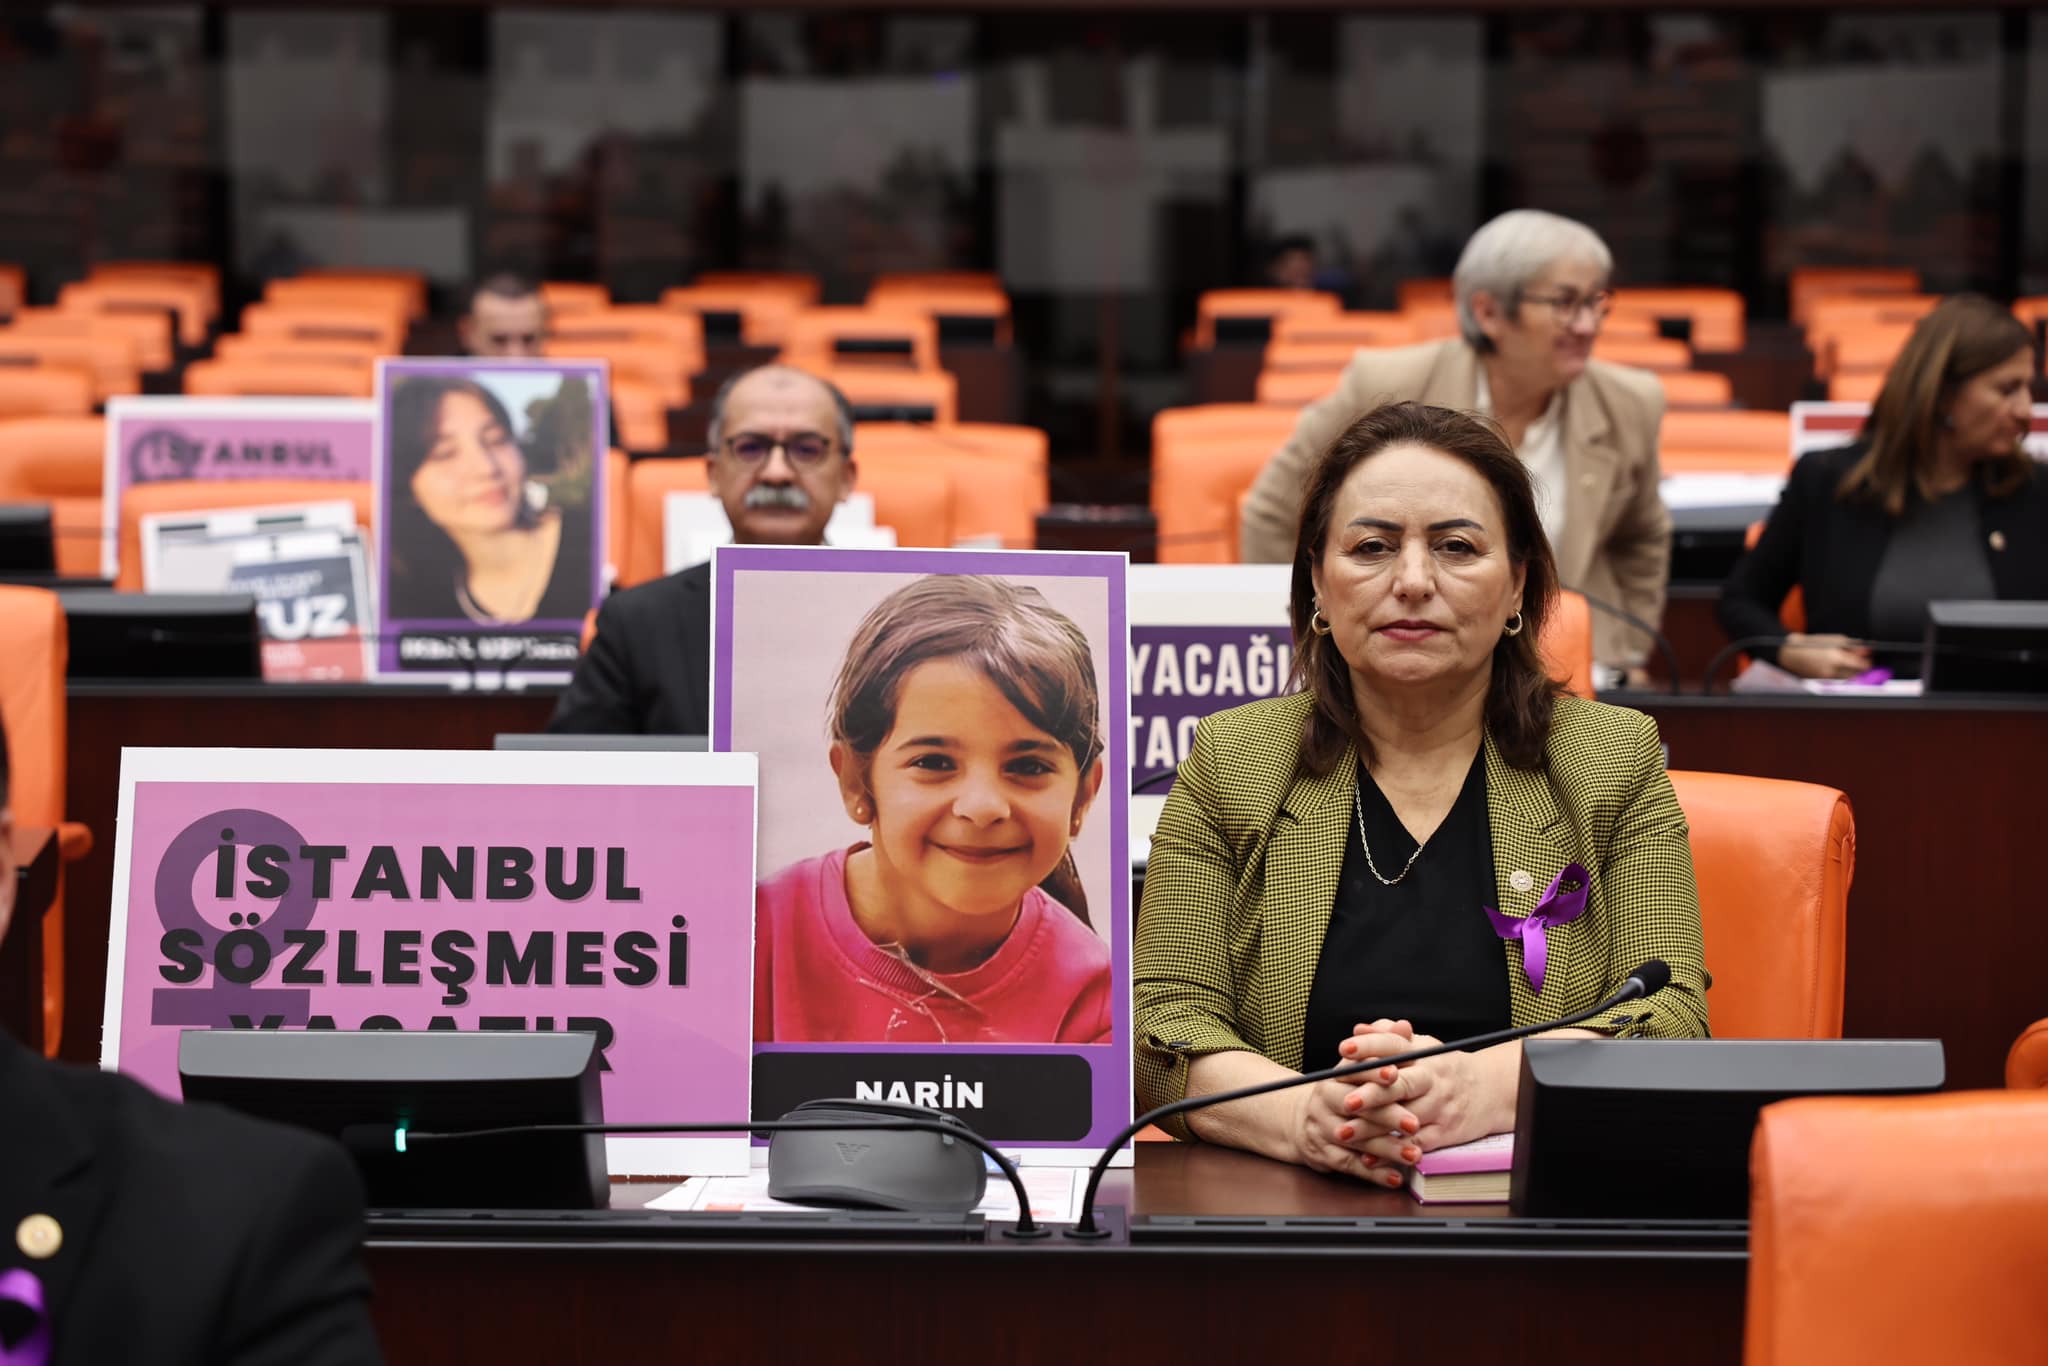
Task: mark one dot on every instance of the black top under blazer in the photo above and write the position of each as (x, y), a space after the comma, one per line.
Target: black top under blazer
(190, 1235)
(1830, 548)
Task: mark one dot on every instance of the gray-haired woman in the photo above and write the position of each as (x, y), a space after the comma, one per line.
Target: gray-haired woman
(1532, 291)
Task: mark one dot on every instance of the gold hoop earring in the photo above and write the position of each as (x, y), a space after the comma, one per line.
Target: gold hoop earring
(1516, 628)
(1316, 622)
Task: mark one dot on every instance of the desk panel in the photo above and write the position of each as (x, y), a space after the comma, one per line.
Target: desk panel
(1946, 931)
(36, 862)
(1053, 1301)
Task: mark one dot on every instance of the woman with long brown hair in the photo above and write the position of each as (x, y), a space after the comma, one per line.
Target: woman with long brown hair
(1427, 842)
(1936, 499)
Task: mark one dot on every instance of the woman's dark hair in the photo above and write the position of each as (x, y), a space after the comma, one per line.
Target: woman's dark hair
(1963, 337)
(1034, 654)
(1521, 693)
(422, 556)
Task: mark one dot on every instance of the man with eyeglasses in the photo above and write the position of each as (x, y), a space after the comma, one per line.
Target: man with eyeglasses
(781, 461)
(1532, 292)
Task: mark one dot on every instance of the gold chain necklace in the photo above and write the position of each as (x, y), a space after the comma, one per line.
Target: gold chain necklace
(1358, 809)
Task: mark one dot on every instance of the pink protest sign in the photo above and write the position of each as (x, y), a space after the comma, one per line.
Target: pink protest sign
(332, 889)
(157, 437)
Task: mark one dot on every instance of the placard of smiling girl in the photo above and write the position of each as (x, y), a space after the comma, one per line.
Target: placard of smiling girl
(967, 736)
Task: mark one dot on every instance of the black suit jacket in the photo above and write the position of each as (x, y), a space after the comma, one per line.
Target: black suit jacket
(190, 1234)
(648, 669)
(1830, 548)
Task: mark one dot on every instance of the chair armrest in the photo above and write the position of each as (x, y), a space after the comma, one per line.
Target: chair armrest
(74, 841)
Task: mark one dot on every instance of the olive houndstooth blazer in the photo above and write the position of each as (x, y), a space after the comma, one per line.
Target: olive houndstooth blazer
(1245, 862)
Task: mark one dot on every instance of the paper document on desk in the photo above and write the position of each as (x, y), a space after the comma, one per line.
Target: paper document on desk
(1764, 677)
(1055, 1195)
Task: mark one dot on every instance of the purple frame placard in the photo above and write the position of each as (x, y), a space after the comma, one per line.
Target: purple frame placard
(391, 626)
(1109, 1064)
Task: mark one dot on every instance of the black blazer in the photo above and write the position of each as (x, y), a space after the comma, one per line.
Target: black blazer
(190, 1234)
(648, 669)
(1830, 549)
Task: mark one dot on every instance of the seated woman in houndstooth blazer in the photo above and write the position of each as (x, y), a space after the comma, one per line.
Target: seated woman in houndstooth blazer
(1428, 841)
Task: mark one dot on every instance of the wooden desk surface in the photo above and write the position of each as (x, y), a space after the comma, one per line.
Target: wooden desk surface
(1221, 1298)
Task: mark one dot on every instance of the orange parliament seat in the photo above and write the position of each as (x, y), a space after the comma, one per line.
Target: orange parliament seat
(991, 495)
(1854, 315)
(1297, 388)
(1423, 293)
(888, 394)
(1737, 429)
(1356, 329)
(642, 411)
(150, 332)
(909, 499)
(407, 285)
(108, 360)
(32, 701)
(796, 286)
(681, 332)
(381, 328)
(1216, 304)
(203, 276)
(13, 289)
(2026, 1065)
(1696, 388)
(764, 315)
(1323, 357)
(827, 338)
(648, 484)
(651, 361)
(1856, 386)
(60, 461)
(215, 495)
(348, 290)
(1716, 315)
(1223, 421)
(1810, 284)
(1196, 488)
(1025, 445)
(44, 391)
(286, 378)
(1773, 861)
(1870, 348)
(1567, 643)
(1644, 353)
(1433, 321)
(946, 302)
(240, 348)
(564, 297)
(189, 301)
(1899, 1229)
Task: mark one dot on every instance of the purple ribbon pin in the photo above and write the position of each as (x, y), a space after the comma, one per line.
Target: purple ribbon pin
(23, 1288)
(1562, 903)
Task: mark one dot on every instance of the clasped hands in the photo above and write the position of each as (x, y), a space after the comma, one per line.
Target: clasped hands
(1376, 1124)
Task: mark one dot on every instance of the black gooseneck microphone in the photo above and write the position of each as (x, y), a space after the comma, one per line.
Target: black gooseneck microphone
(383, 1139)
(1652, 977)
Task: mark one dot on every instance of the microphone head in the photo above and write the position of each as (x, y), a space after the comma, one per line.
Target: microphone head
(1654, 974)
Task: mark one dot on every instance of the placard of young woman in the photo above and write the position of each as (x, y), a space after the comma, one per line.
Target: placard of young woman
(944, 911)
(490, 502)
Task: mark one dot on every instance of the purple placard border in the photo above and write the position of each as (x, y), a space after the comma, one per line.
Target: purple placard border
(389, 627)
(1110, 1088)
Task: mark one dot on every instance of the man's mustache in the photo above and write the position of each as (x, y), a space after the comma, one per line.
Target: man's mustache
(779, 497)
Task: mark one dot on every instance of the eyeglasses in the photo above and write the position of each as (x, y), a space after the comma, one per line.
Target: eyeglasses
(1567, 306)
(803, 449)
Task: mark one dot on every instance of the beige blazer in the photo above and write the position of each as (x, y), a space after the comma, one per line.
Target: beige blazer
(1617, 531)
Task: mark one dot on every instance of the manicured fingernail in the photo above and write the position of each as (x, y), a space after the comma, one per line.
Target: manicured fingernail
(1410, 1124)
(1353, 1103)
(1348, 1049)
(1410, 1153)
(1371, 1161)
(1389, 1073)
(1393, 1178)
(1345, 1133)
